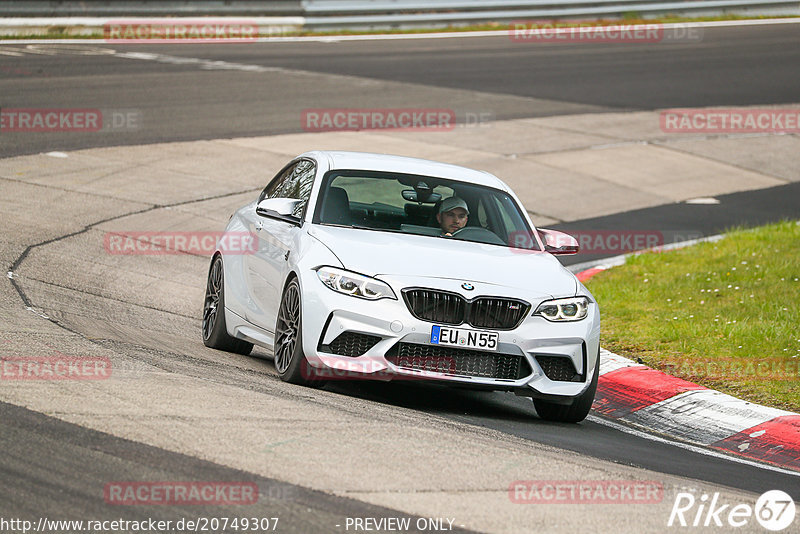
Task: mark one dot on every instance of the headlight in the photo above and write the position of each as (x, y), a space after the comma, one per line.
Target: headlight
(354, 284)
(569, 309)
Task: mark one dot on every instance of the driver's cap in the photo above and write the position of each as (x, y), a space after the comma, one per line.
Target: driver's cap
(453, 203)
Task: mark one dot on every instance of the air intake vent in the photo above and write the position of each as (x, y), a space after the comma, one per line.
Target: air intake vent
(558, 368)
(350, 344)
(455, 361)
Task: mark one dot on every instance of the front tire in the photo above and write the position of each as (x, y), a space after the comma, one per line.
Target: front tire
(290, 359)
(215, 332)
(570, 413)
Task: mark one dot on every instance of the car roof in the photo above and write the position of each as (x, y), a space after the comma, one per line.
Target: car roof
(406, 165)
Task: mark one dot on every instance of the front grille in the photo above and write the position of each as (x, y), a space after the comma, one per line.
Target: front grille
(455, 361)
(434, 306)
(350, 344)
(558, 368)
(497, 312)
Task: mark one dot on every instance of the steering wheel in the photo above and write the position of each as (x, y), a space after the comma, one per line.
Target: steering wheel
(476, 233)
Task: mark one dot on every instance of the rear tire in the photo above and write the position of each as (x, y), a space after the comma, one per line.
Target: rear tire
(215, 332)
(290, 359)
(570, 413)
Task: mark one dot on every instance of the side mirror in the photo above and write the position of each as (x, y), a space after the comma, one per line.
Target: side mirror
(277, 207)
(558, 243)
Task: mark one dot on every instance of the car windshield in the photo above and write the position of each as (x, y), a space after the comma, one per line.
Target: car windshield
(409, 204)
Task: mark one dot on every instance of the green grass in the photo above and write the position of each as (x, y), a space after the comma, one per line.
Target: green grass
(725, 315)
(62, 32)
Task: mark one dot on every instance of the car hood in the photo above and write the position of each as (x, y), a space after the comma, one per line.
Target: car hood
(376, 253)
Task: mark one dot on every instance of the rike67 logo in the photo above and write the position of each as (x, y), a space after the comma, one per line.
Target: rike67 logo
(774, 510)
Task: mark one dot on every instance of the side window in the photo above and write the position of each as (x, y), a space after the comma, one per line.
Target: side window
(511, 226)
(294, 182)
(303, 178)
(277, 184)
(483, 219)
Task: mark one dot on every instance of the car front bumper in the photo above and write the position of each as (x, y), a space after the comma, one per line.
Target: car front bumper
(383, 340)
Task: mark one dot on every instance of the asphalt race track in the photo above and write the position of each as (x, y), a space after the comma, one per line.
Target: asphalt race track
(729, 67)
(175, 410)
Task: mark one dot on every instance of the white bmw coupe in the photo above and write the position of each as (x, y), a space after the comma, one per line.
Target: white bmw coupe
(386, 267)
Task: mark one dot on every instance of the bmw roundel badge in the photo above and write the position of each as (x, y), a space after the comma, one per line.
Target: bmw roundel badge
(467, 286)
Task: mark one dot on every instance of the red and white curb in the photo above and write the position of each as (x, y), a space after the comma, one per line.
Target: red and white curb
(657, 402)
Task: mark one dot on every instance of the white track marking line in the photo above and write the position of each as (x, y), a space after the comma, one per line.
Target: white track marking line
(687, 446)
(616, 261)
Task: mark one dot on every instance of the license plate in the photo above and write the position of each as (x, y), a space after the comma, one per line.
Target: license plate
(464, 338)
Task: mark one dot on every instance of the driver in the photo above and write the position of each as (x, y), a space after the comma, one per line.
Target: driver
(452, 215)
